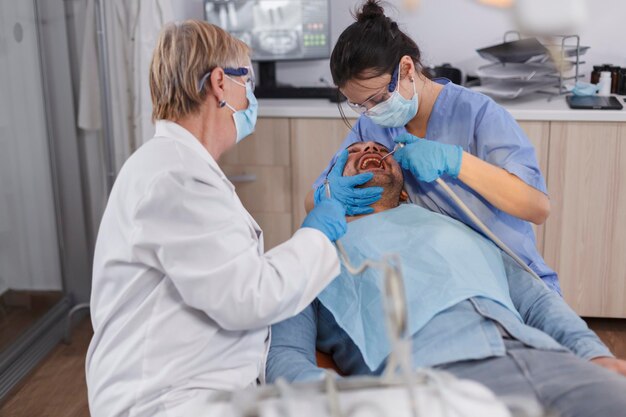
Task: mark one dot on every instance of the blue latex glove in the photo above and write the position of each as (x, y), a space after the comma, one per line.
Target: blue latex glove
(329, 217)
(343, 189)
(426, 159)
(585, 89)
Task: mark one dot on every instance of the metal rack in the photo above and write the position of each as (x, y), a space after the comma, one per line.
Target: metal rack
(565, 54)
(562, 89)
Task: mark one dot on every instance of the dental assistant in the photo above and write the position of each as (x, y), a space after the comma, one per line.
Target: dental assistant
(183, 291)
(470, 141)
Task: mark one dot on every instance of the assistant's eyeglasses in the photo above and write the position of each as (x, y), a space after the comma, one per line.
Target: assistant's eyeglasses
(377, 98)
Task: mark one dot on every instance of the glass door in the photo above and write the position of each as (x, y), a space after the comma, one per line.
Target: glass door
(30, 262)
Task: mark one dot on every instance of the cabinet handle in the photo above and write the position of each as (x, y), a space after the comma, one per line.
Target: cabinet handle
(242, 178)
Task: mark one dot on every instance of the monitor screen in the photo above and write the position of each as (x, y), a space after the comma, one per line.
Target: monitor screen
(276, 30)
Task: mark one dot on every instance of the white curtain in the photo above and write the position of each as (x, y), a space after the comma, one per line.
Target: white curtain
(132, 30)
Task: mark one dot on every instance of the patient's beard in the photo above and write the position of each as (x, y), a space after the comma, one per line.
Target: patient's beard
(392, 188)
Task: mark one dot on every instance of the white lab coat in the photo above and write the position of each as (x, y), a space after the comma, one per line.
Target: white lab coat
(183, 292)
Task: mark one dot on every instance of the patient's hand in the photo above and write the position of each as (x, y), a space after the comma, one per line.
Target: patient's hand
(612, 364)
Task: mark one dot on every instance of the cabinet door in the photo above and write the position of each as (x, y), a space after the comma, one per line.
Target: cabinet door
(313, 144)
(585, 238)
(539, 134)
(259, 167)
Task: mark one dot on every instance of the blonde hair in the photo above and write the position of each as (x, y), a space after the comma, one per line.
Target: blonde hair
(184, 53)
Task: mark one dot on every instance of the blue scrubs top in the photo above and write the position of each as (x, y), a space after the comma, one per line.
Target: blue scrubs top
(484, 129)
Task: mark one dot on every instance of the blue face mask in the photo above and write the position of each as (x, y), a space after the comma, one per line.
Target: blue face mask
(245, 120)
(585, 89)
(396, 111)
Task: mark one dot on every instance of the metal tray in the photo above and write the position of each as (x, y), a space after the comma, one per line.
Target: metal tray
(520, 51)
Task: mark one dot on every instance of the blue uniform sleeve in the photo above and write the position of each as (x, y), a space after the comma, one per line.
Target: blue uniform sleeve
(502, 142)
(292, 348)
(545, 310)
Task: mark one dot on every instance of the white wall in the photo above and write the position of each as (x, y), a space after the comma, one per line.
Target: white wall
(451, 31)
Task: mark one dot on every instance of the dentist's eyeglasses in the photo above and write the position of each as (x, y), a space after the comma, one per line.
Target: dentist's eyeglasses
(233, 72)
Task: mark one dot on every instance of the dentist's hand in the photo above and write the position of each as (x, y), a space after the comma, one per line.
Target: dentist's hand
(329, 217)
(343, 189)
(428, 160)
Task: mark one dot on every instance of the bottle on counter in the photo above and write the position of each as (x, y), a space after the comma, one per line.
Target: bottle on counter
(595, 74)
(621, 85)
(597, 69)
(614, 79)
(605, 83)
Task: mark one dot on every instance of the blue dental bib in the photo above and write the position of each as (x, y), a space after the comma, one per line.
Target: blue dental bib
(443, 263)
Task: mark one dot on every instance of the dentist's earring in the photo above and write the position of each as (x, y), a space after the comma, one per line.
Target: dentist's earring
(222, 103)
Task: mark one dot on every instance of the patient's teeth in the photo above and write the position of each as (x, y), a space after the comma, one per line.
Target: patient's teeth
(367, 161)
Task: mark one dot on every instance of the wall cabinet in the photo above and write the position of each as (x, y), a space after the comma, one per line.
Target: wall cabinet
(313, 144)
(584, 239)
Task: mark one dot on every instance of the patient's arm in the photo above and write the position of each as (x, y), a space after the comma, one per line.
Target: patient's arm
(292, 351)
(543, 309)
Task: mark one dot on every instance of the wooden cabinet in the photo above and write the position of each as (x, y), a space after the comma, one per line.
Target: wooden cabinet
(585, 236)
(313, 144)
(584, 239)
(260, 169)
(539, 135)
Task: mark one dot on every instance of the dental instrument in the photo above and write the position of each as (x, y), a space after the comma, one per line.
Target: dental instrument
(395, 148)
(477, 222)
(438, 393)
(484, 229)
(396, 313)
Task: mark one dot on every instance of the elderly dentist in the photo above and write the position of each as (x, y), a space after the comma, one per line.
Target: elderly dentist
(183, 292)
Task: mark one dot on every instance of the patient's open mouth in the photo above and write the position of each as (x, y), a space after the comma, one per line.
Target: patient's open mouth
(370, 162)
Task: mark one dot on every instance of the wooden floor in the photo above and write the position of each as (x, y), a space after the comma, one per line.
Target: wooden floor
(57, 387)
(612, 332)
(19, 310)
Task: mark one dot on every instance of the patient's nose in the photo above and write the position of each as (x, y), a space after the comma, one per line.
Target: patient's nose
(372, 147)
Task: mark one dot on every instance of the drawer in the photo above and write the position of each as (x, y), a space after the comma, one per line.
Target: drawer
(265, 189)
(276, 227)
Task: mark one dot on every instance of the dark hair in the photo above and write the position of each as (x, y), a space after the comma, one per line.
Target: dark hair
(374, 42)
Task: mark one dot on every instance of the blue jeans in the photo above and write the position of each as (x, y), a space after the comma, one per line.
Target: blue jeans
(561, 382)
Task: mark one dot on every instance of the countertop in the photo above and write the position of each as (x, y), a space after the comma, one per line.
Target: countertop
(531, 107)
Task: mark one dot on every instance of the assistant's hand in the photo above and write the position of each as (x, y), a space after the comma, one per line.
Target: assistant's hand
(612, 364)
(343, 189)
(329, 217)
(426, 159)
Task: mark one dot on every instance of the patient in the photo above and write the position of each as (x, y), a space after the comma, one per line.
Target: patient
(472, 311)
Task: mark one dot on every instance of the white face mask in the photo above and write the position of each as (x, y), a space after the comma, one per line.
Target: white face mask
(396, 111)
(245, 120)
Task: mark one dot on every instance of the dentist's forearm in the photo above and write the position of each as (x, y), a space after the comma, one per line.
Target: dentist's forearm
(504, 190)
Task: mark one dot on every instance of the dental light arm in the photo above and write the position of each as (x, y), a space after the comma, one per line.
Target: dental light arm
(550, 17)
(396, 311)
